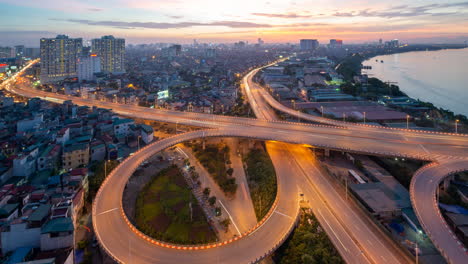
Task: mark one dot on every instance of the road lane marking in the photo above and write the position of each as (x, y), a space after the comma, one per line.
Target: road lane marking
(425, 150)
(181, 151)
(283, 214)
(244, 190)
(331, 228)
(108, 211)
(230, 217)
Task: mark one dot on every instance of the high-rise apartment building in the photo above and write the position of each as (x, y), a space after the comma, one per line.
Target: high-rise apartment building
(336, 43)
(112, 53)
(59, 58)
(7, 52)
(88, 65)
(309, 44)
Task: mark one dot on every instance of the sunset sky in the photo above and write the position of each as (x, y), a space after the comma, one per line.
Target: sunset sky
(150, 21)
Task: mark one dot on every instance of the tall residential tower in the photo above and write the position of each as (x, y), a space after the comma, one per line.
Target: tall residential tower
(59, 58)
(112, 53)
(309, 44)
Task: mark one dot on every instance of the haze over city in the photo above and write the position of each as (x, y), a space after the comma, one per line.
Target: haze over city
(234, 132)
(227, 21)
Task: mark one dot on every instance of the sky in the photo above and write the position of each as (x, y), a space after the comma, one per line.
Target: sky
(222, 21)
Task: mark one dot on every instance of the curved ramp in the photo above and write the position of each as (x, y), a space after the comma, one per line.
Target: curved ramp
(126, 244)
(423, 197)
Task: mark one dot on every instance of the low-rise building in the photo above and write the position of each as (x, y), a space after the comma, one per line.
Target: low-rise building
(147, 133)
(98, 151)
(75, 155)
(57, 233)
(122, 127)
(25, 231)
(24, 165)
(49, 158)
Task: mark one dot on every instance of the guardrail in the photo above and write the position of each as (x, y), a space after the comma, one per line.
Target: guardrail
(145, 154)
(278, 106)
(435, 205)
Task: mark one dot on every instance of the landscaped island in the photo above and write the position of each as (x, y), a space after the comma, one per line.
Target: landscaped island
(167, 210)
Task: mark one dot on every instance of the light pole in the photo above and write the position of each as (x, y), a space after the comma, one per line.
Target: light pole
(139, 143)
(407, 121)
(321, 109)
(105, 169)
(456, 126)
(364, 118)
(416, 249)
(344, 117)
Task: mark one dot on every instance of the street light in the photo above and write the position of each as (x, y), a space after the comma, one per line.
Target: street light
(105, 168)
(456, 126)
(407, 121)
(321, 109)
(364, 118)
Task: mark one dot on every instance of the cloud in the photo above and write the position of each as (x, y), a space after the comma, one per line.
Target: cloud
(95, 9)
(164, 25)
(288, 15)
(406, 11)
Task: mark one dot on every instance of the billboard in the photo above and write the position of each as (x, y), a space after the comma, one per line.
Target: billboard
(163, 94)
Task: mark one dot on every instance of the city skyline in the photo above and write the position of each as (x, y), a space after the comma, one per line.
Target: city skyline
(274, 21)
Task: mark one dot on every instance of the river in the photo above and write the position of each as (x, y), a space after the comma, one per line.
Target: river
(439, 77)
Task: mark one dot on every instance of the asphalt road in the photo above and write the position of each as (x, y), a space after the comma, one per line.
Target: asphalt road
(358, 242)
(447, 149)
(127, 245)
(423, 197)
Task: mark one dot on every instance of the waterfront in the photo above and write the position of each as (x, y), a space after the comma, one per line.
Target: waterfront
(439, 77)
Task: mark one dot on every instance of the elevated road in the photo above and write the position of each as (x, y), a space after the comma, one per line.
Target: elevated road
(423, 197)
(448, 149)
(128, 245)
(359, 242)
(424, 183)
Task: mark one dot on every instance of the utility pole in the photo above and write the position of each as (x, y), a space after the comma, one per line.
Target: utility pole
(417, 253)
(346, 186)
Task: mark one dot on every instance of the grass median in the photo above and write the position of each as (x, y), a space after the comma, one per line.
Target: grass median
(261, 178)
(167, 210)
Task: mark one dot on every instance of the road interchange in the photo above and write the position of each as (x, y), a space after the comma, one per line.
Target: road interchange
(444, 149)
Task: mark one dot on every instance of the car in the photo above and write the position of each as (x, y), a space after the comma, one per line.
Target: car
(95, 243)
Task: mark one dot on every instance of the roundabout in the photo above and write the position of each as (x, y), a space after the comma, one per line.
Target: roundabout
(126, 244)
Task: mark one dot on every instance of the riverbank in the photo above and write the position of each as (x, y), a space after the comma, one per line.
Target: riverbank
(426, 113)
(438, 77)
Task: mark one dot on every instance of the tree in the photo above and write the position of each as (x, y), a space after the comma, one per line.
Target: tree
(206, 192)
(212, 200)
(225, 223)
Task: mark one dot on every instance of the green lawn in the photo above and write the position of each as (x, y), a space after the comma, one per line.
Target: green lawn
(214, 159)
(308, 244)
(261, 178)
(163, 210)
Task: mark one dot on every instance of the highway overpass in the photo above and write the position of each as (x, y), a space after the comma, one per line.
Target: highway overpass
(446, 149)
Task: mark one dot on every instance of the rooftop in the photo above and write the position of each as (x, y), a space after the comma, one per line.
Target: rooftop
(74, 147)
(120, 121)
(8, 209)
(379, 197)
(40, 213)
(62, 224)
